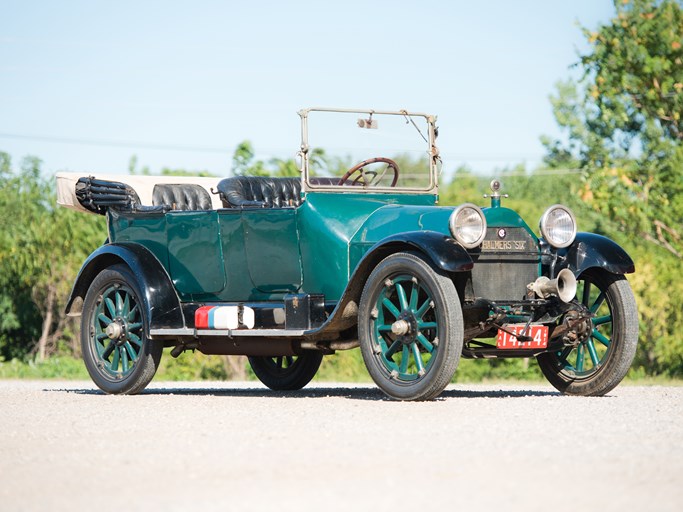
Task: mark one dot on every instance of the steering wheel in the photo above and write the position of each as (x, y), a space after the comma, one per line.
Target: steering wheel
(370, 178)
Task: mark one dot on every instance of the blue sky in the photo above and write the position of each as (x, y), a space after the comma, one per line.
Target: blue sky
(209, 74)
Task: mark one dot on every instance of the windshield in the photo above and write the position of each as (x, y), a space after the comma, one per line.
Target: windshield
(368, 150)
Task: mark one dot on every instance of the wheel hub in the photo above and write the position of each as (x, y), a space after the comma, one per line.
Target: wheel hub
(405, 327)
(116, 331)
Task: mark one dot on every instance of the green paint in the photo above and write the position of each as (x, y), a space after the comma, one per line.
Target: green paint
(194, 251)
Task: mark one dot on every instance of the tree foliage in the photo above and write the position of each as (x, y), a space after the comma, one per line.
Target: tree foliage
(624, 130)
(41, 249)
(623, 121)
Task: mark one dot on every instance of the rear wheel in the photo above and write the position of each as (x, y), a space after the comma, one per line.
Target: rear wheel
(286, 373)
(410, 327)
(118, 356)
(599, 363)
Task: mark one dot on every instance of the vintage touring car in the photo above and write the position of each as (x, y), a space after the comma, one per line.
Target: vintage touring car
(286, 270)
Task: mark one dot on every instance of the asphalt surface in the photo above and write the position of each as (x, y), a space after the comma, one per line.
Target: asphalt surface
(240, 447)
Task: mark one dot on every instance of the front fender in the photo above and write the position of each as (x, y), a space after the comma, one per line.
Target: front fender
(443, 251)
(594, 251)
(159, 297)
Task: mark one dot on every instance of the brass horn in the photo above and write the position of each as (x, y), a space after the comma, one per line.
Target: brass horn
(563, 286)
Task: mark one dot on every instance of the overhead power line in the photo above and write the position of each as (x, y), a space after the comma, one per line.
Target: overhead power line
(114, 143)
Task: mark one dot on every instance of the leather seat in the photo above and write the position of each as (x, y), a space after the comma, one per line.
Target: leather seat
(181, 197)
(259, 192)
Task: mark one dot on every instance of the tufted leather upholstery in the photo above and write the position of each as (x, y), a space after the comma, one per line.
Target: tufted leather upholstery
(181, 197)
(260, 192)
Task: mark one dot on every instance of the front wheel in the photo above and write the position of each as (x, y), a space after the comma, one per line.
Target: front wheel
(118, 356)
(286, 373)
(598, 364)
(410, 327)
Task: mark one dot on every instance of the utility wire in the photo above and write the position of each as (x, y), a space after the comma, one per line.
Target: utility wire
(112, 143)
(207, 149)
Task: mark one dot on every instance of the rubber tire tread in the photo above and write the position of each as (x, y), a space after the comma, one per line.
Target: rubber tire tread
(306, 366)
(451, 333)
(623, 348)
(148, 361)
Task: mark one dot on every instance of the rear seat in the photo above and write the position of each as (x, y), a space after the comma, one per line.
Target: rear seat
(259, 192)
(186, 196)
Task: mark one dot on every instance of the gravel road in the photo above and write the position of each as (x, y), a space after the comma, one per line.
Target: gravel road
(239, 447)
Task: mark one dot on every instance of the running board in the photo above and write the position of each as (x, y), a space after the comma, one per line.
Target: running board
(232, 333)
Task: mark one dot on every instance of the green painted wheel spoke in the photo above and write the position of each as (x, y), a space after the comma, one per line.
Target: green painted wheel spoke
(110, 306)
(135, 326)
(107, 351)
(598, 302)
(390, 306)
(425, 343)
(124, 360)
(402, 299)
(414, 292)
(427, 325)
(131, 352)
(384, 328)
(119, 303)
(101, 336)
(405, 357)
(115, 360)
(599, 320)
(592, 353)
(133, 312)
(562, 356)
(125, 310)
(104, 319)
(134, 338)
(393, 348)
(424, 308)
(579, 358)
(280, 362)
(601, 337)
(290, 361)
(418, 358)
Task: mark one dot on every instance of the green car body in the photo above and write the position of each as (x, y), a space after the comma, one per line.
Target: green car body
(372, 265)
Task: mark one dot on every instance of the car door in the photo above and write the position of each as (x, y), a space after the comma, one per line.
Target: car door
(271, 242)
(194, 251)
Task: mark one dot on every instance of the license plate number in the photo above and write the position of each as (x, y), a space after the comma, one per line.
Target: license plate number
(537, 333)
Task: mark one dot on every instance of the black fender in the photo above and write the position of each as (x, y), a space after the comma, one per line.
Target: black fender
(160, 299)
(594, 251)
(443, 251)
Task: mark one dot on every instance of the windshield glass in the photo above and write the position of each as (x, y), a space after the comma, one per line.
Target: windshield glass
(368, 150)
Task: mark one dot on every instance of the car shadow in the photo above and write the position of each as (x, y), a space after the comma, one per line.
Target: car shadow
(351, 393)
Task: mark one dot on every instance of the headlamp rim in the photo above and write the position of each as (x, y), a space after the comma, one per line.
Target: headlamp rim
(452, 225)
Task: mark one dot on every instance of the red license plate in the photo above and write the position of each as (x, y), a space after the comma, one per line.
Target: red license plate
(537, 333)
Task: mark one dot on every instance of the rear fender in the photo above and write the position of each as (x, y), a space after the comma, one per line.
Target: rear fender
(159, 297)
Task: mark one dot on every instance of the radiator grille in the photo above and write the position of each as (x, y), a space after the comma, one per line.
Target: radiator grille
(506, 262)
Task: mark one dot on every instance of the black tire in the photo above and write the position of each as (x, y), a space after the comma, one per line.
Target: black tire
(113, 302)
(418, 362)
(286, 373)
(611, 346)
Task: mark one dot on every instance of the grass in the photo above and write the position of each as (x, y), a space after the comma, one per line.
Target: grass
(345, 366)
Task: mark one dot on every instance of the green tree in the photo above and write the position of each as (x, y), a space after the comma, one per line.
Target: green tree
(624, 131)
(41, 250)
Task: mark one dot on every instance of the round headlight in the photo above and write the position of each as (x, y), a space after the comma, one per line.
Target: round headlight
(558, 226)
(468, 225)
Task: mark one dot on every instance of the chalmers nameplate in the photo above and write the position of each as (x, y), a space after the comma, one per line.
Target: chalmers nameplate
(503, 245)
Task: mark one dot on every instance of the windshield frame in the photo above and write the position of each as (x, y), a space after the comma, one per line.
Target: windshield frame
(432, 151)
